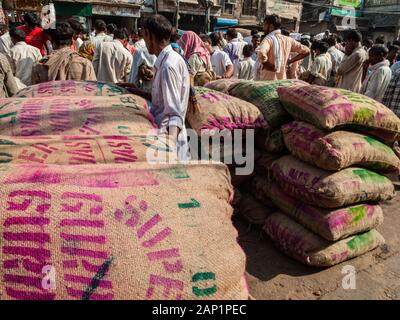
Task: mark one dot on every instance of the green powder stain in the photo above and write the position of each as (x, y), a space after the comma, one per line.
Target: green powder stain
(369, 176)
(360, 241)
(205, 276)
(191, 205)
(5, 157)
(378, 145)
(4, 142)
(178, 173)
(363, 115)
(358, 213)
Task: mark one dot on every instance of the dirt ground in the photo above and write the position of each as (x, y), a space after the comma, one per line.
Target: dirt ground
(274, 276)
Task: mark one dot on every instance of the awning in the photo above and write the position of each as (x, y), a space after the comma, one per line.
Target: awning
(221, 22)
(68, 9)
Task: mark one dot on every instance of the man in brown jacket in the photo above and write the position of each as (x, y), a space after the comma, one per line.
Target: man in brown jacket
(64, 63)
(8, 86)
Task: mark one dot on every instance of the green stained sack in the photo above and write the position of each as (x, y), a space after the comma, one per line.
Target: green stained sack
(219, 111)
(330, 190)
(329, 108)
(264, 95)
(306, 247)
(222, 85)
(253, 211)
(71, 88)
(331, 225)
(338, 150)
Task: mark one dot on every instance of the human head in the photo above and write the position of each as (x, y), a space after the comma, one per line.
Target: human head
(3, 28)
(272, 22)
(306, 42)
(215, 39)
(111, 28)
(62, 35)
(393, 52)
(247, 51)
(17, 35)
(31, 20)
(231, 34)
(174, 35)
(380, 40)
(378, 53)
(331, 41)
(134, 36)
(157, 33)
(100, 26)
(254, 32)
(122, 35)
(368, 43)
(320, 47)
(207, 42)
(77, 27)
(256, 41)
(191, 43)
(352, 39)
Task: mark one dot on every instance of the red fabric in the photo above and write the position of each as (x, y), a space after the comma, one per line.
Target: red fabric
(36, 38)
(131, 49)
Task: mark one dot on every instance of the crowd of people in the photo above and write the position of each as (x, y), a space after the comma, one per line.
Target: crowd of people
(163, 64)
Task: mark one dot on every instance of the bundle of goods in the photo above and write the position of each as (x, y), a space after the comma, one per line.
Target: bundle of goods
(134, 231)
(76, 150)
(71, 88)
(329, 199)
(253, 211)
(223, 85)
(120, 115)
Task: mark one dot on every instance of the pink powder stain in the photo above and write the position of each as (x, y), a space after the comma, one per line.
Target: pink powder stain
(165, 254)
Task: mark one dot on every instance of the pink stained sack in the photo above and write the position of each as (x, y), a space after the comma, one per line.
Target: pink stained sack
(222, 85)
(104, 232)
(329, 108)
(119, 115)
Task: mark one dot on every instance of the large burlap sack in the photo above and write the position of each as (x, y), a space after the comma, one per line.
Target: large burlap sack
(328, 108)
(331, 224)
(253, 211)
(76, 150)
(257, 188)
(271, 142)
(330, 190)
(71, 88)
(219, 111)
(222, 85)
(127, 232)
(264, 164)
(264, 95)
(119, 115)
(338, 150)
(306, 247)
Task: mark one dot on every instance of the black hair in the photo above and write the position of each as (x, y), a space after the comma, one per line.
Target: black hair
(256, 36)
(215, 38)
(247, 50)
(17, 34)
(159, 27)
(32, 19)
(331, 41)
(254, 32)
(396, 43)
(368, 42)
(353, 35)
(174, 35)
(100, 25)
(232, 33)
(322, 46)
(121, 34)
(273, 19)
(111, 28)
(62, 35)
(380, 40)
(75, 25)
(3, 27)
(393, 47)
(379, 49)
(306, 42)
(206, 38)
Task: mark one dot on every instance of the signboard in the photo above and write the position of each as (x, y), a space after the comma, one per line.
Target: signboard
(349, 3)
(108, 10)
(285, 9)
(345, 13)
(28, 5)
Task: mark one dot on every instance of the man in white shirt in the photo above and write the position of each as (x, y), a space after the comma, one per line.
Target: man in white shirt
(378, 74)
(111, 61)
(220, 61)
(101, 36)
(234, 48)
(23, 57)
(245, 69)
(336, 55)
(321, 68)
(5, 40)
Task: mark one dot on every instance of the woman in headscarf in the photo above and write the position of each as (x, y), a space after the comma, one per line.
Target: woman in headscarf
(198, 57)
(87, 49)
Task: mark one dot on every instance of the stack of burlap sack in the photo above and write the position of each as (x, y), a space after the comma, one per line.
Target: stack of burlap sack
(85, 215)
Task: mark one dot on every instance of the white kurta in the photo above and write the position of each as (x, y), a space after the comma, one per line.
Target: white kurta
(170, 96)
(377, 80)
(112, 62)
(23, 58)
(142, 56)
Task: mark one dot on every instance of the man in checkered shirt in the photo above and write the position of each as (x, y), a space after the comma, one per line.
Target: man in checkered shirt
(392, 95)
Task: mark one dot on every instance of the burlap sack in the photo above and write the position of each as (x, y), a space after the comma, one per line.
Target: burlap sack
(222, 85)
(253, 211)
(219, 111)
(76, 150)
(264, 95)
(119, 115)
(330, 190)
(264, 164)
(258, 189)
(338, 150)
(126, 232)
(71, 88)
(332, 225)
(328, 108)
(271, 142)
(306, 247)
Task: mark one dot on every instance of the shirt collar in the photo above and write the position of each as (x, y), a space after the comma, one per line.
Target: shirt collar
(20, 43)
(162, 55)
